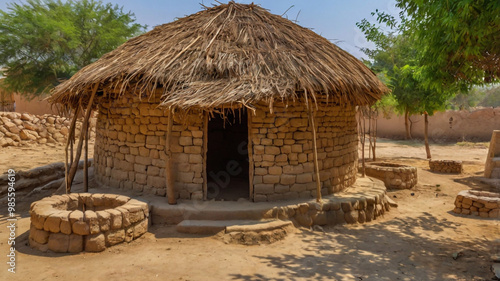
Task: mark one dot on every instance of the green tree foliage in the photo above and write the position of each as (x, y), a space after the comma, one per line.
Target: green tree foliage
(486, 95)
(491, 96)
(43, 42)
(458, 41)
(396, 59)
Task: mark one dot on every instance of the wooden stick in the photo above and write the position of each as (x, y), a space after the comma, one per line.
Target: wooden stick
(315, 151)
(68, 141)
(205, 150)
(71, 149)
(85, 162)
(74, 165)
(168, 162)
(251, 167)
(362, 140)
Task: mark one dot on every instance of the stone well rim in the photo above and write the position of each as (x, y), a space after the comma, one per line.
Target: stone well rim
(386, 165)
(58, 224)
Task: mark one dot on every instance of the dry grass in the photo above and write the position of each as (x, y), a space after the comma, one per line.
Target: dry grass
(224, 55)
(474, 144)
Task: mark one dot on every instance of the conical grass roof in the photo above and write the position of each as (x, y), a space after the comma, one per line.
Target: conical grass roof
(228, 54)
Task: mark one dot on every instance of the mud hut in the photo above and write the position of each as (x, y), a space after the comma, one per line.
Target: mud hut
(231, 102)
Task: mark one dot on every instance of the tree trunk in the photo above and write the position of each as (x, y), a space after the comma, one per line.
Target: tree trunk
(426, 135)
(407, 124)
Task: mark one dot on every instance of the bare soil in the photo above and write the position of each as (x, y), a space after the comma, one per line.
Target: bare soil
(416, 241)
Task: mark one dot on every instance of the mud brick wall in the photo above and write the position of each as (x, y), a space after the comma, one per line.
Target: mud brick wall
(130, 147)
(283, 150)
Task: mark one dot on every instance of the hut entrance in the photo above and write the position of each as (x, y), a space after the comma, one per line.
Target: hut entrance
(227, 156)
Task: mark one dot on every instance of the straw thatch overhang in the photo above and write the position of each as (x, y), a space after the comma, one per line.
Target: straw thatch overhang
(228, 54)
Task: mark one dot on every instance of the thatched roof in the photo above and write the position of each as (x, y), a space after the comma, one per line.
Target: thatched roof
(232, 53)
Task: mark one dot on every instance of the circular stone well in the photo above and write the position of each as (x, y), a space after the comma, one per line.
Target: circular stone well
(480, 203)
(394, 176)
(86, 222)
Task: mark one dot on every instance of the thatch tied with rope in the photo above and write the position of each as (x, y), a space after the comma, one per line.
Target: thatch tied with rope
(302, 91)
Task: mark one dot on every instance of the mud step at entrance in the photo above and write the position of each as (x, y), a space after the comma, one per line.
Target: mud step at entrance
(228, 226)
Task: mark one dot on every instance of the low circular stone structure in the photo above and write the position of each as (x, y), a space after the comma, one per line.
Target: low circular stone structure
(394, 176)
(446, 166)
(86, 222)
(480, 203)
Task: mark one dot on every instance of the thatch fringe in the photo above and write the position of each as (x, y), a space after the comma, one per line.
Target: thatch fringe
(231, 53)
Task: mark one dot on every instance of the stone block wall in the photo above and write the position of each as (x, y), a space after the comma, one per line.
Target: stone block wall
(283, 150)
(446, 166)
(130, 147)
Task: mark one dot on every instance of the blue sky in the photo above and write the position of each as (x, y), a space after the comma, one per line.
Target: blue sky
(333, 19)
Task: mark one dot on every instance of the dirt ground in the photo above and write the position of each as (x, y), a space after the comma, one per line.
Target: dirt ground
(416, 241)
(29, 157)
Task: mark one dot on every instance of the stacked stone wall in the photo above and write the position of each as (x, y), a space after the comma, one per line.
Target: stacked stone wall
(446, 166)
(283, 150)
(18, 129)
(130, 147)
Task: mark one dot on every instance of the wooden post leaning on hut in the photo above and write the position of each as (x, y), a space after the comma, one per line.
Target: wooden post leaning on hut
(205, 150)
(69, 142)
(86, 161)
(315, 150)
(251, 169)
(74, 165)
(168, 162)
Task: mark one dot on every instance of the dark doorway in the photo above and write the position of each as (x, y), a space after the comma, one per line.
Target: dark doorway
(227, 156)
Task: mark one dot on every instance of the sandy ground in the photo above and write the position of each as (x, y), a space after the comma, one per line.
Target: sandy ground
(415, 241)
(29, 157)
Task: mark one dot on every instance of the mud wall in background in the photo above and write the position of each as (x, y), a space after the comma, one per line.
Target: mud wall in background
(37, 106)
(449, 126)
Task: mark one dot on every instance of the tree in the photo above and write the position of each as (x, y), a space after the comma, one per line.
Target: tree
(450, 46)
(395, 58)
(458, 41)
(44, 42)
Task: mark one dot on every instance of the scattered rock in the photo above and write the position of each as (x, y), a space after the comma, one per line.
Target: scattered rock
(318, 228)
(19, 129)
(456, 255)
(496, 270)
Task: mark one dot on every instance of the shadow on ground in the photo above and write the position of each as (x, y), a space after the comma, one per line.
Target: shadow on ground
(380, 251)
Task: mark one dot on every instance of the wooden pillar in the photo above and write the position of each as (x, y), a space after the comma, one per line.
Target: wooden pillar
(74, 165)
(315, 151)
(168, 162)
(85, 162)
(250, 155)
(205, 150)
(69, 142)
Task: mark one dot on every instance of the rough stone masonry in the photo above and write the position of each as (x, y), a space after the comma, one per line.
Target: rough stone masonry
(130, 148)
